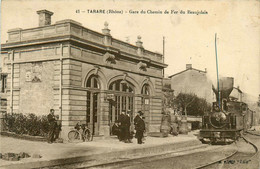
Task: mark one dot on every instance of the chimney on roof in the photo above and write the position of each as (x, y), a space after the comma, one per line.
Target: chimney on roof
(188, 66)
(44, 17)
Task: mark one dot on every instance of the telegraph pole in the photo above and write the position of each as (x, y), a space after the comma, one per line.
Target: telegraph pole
(217, 70)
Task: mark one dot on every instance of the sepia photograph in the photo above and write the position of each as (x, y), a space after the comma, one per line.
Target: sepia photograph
(130, 84)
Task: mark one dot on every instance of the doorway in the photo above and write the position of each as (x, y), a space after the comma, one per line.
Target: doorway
(146, 105)
(123, 100)
(92, 111)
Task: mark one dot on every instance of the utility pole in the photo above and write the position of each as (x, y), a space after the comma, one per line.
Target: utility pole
(217, 70)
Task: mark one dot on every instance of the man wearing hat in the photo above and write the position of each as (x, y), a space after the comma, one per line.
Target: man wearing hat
(139, 127)
(121, 121)
(127, 127)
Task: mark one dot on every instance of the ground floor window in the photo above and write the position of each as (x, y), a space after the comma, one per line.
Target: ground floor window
(119, 104)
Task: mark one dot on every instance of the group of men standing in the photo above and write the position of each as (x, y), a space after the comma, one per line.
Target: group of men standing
(122, 127)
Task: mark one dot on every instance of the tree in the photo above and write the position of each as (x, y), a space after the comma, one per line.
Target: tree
(191, 104)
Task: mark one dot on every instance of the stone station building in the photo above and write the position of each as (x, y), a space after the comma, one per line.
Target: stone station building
(84, 75)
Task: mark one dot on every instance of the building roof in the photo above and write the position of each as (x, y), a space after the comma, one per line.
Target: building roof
(200, 71)
(72, 30)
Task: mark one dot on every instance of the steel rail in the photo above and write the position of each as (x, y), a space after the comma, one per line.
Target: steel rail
(255, 134)
(142, 158)
(255, 147)
(227, 157)
(216, 161)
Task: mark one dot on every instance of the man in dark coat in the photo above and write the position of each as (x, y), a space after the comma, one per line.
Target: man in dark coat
(116, 130)
(127, 123)
(121, 120)
(139, 127)
(52, 126)
(57, 128)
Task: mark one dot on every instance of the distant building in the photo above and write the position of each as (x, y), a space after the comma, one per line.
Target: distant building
(258, 101)
(84, 75)
(192, 80)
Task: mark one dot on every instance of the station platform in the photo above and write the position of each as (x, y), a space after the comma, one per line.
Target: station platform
(99, 148)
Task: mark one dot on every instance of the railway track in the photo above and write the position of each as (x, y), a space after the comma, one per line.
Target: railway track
(234, 155)
(216, 161)
(135, 162)
(252, 133)
(113, 163)
(195, 155)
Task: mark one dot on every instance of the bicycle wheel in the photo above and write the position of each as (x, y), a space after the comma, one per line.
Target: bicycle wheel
(87, 135)
(73, 135)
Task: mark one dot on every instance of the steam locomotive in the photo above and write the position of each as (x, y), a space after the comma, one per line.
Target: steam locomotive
(229, 117)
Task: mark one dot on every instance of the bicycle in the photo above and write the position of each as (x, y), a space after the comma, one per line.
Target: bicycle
(80, 132)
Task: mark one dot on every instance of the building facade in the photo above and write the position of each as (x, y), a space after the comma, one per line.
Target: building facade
(192, 81)
(86, 76)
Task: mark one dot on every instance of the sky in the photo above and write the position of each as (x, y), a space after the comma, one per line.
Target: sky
(189, 38)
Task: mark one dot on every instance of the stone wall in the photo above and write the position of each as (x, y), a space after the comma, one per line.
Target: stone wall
(36, 96)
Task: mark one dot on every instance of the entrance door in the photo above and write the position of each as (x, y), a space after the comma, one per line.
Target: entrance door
(123, 100)
(146, 111)
(146, 105)
(92, 112)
